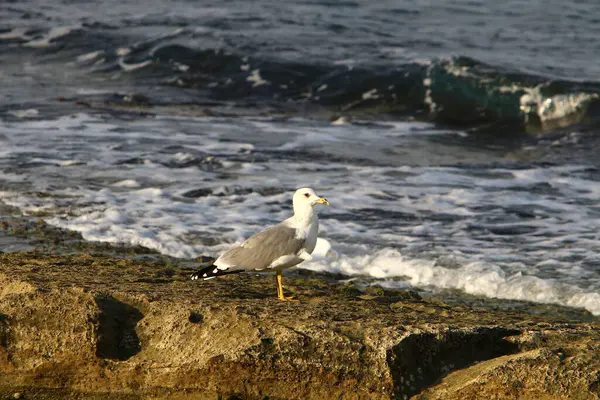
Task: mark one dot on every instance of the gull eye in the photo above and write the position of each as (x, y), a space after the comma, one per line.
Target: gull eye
(307, 195)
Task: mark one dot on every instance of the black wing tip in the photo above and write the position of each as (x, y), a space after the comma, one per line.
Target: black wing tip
(206, 272)
(209, 272)
(196, 275)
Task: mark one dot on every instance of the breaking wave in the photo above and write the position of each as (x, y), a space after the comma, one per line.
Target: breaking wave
(459, 91)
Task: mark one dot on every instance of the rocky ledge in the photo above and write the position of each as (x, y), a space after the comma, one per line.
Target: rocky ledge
(96, 327)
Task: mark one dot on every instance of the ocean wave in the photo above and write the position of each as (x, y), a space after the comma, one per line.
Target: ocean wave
(459, 91)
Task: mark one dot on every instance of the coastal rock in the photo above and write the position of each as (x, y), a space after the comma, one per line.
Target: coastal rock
(92, 326)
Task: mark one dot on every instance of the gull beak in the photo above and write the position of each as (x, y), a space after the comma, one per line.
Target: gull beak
(323, 200)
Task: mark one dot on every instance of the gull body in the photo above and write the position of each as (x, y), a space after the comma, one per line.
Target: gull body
(276, 248)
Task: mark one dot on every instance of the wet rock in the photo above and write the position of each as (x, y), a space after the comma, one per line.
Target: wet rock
(92, 326)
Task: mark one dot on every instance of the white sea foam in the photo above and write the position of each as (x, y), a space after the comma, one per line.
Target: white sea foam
(69, 163)
(476, 278)
(28, 113)
(54, 33)
(123, 51)
(370, 94)
(132, 183)
(340, 121)
(16, 33)
(323, 250)
(181, 67)
(91, 91)
(428, 99)
(256, 79)
(133, 66)
(89, 56)
(554, 107)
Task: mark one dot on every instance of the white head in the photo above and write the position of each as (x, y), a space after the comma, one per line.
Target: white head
(305, 199)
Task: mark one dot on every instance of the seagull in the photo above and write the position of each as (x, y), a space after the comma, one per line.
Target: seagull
(276, 248)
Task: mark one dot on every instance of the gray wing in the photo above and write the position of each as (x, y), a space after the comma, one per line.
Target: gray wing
(264, 247)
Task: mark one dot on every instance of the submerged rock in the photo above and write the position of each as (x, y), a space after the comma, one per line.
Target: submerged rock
(92, 326)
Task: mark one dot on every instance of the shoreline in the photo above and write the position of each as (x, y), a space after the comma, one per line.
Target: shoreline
(31, 233)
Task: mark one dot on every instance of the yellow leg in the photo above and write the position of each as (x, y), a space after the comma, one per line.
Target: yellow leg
(279, 286)
(280, 295)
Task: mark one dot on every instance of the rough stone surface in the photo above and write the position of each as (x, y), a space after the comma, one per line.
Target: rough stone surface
(95, 327)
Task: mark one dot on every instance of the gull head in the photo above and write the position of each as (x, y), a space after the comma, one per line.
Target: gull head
(307, 198)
